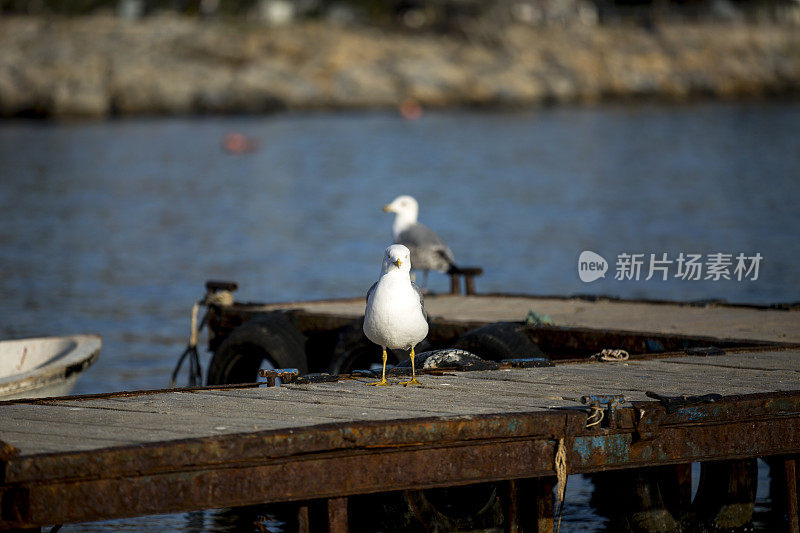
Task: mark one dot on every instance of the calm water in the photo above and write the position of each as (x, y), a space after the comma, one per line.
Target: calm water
(113, 228)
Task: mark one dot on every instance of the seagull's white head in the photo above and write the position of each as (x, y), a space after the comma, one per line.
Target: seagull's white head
(405, 206)
(396, 257)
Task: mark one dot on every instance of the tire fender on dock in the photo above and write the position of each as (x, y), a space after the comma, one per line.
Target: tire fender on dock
(272, 338)
(498, 341)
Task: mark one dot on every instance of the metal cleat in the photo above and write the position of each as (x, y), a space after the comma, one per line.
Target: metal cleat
(602, 409)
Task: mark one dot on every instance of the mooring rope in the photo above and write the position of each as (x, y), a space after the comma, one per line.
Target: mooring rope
(219, 297)
(561, 477)
(195, 371)
(194, 331)
(596, 416)
(607, 354)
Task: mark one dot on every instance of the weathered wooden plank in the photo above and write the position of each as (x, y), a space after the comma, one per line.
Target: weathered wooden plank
(400, 398)
(325, 394)
(639, 375)
(773, 361)
(117, 434)
(35, 443)
(383, 410)
(167, 426)
(188, 405)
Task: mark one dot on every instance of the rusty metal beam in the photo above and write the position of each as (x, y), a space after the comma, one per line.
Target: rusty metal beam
(333, 474)
(674, 445)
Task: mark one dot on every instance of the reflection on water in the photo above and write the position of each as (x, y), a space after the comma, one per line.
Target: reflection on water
(112, 228)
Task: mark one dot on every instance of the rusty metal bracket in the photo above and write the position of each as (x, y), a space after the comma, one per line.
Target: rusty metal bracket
(605, 405)
(704, 351)
(316, 378)
(287, 375)
(530, 362)
(673, 403)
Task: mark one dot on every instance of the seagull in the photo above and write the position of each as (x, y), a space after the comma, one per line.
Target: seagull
(428, 249)
(395, 316)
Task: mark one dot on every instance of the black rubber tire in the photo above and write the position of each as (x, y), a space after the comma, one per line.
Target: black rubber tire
(467, 508)
(498, 341)
(240, 356)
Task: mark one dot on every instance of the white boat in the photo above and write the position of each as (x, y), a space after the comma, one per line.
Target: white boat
(45, 366)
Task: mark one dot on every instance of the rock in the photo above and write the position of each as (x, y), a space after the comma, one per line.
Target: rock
(101, 65)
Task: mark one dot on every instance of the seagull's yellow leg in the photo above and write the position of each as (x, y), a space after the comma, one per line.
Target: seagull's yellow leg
(383, 375)
(413, 380)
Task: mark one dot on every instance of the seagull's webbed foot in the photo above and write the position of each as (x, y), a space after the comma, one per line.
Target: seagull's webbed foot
(413, 380)
(383, 374)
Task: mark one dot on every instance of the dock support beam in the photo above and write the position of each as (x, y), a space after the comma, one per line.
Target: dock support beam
(512, 507)
(791, 495)
(303, 523)
(337, 515)
(529, 505)
(545, 504)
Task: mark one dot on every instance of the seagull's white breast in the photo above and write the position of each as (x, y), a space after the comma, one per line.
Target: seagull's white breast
(394, 317)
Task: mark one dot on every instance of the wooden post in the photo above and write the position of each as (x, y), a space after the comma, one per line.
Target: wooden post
(791, 495)
(470, 283)
(455, 286)
(545, 501)
(303, 524)
(683, 473)
(337, 515)
(512, 508)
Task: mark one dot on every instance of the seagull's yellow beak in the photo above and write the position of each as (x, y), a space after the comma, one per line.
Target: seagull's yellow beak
(397, 263)
(387, 208)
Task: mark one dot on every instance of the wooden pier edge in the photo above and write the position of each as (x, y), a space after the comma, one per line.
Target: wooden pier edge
(343, 460)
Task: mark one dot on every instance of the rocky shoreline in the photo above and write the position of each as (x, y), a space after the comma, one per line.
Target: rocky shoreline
(102, 66)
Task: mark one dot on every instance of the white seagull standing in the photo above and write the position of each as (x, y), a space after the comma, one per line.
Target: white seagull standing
(427, 248)
(395, 315)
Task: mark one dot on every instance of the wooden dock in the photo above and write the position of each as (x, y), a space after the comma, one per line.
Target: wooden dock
(105, 456)
(700, 319)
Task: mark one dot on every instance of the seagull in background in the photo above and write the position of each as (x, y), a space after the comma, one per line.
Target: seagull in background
(395, 315)
(428, 250)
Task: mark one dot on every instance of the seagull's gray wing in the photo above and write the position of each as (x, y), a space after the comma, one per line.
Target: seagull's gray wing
(421, 299)
(371, 289)
(420, 235)
(429, 249)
